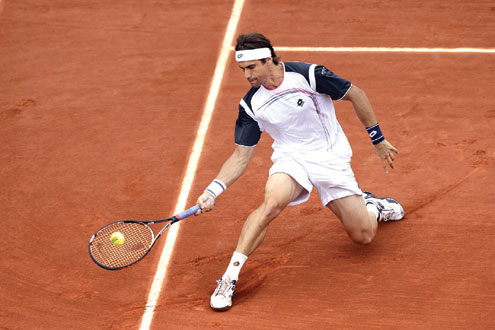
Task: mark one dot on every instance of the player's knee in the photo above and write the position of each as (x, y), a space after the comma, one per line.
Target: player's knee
(362, 236)
(272, 207)
(363, 240)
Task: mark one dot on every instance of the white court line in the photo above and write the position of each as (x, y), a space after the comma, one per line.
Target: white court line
(386, 49)
(192, 165)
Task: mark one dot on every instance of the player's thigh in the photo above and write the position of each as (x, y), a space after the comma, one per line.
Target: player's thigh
(352, 212)
(281, 188)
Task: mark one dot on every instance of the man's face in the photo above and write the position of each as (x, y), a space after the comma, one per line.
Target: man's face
(256, 72)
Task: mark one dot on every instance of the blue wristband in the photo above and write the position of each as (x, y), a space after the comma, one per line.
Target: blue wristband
(375, 134)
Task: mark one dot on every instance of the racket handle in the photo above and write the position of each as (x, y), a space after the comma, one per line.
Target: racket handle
(188, 212)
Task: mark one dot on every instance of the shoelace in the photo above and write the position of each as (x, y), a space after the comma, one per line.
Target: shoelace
(384, 213)
(224, 287)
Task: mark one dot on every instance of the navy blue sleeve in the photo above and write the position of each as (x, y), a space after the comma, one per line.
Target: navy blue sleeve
(247, 130)
(329, 83)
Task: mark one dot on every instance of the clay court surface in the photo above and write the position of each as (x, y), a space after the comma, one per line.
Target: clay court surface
(100, 103)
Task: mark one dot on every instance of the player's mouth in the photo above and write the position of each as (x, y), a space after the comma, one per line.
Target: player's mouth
(253, 82)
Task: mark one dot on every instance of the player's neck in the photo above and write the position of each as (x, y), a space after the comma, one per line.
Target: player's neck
(276, 77)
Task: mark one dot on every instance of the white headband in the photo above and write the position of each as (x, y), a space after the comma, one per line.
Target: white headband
(252, 54)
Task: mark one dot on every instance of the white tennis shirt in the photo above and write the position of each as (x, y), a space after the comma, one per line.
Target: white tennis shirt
(299, 114)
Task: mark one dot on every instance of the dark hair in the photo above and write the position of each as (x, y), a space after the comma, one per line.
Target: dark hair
(255, 40)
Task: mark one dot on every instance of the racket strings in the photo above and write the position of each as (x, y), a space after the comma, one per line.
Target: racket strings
(138, 239)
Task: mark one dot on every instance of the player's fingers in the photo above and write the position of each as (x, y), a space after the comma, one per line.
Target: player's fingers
(200, 203)
(209, 204)
(390, 161)
(203, 204)
(384, 164)
(391, 147)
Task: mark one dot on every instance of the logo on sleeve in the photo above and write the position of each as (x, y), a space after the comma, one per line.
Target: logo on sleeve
(325, 72)
(300, 103)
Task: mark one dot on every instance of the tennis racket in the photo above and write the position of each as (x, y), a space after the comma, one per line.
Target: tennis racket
(134, 240)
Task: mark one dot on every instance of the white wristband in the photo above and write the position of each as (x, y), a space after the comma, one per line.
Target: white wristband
(215, 188)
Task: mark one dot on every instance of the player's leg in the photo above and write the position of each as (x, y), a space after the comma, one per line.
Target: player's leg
(340, 192)
(360, 224)
(280, 190)
(360, 216)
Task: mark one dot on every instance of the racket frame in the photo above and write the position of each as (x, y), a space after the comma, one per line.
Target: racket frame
(143, 223)
(180, 216)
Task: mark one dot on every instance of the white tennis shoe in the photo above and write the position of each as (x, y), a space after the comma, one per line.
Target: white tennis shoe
(221, 299)
(388, 208)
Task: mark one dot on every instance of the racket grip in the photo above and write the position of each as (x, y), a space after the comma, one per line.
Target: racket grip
(188, 212)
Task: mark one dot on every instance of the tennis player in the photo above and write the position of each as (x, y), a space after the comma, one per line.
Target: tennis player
(293, 102)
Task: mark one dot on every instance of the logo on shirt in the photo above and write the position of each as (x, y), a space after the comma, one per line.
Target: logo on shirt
(300, 103)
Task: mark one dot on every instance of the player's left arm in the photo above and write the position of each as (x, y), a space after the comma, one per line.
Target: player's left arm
(362, 106)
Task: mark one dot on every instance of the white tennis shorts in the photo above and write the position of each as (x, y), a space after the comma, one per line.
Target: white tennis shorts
(333, 179)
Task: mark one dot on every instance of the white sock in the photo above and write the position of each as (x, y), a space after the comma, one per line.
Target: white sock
(235, 265)
(373, 209)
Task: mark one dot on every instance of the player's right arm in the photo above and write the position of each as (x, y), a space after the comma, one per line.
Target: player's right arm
(247, 134)
(230, 171)
(235, 165)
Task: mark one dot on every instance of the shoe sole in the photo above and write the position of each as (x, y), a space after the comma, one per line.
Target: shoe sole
(221, 309)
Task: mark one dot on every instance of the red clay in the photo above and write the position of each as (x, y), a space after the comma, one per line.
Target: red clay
(98, 110)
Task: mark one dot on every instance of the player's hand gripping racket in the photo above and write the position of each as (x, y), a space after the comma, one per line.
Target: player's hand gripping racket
(125, 242)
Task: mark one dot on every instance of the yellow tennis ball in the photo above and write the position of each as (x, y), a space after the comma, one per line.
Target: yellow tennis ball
(117, 238)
